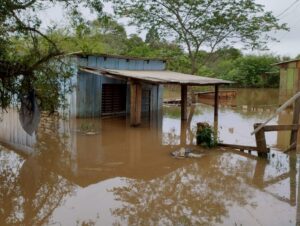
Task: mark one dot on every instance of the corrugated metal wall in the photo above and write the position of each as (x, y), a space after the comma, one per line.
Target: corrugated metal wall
(12, 133)
(289, 81)
(88, 92)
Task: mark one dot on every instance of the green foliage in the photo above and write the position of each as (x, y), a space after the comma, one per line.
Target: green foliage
(152, 37)
(30, 57)
(206, 137)
(251, 71)
(87, 127)
(202, 23)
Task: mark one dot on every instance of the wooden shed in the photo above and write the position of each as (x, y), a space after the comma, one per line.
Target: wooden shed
(96, 94)
(115, 85)
(289, 79)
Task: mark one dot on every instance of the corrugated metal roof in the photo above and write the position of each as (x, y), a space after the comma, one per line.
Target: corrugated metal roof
(159, 77)
(285, 62)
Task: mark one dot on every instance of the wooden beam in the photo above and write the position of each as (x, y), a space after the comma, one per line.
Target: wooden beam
(260, 139)
(290, 148)
(216, 106)
(183, 102)
(271, 128)
(279, 110)
(277, 179)
(135, 103)
(296, 114)
(240, 147)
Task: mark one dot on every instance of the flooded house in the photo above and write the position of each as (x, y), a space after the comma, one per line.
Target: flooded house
(106, 85)
(100, 92)
(115, 85)
(123, 175)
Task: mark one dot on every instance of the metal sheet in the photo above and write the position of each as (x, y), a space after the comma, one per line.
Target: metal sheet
(159, 77)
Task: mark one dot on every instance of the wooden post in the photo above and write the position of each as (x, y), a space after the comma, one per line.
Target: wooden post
(260, 168)
(193, 97)
(183, 130)
(293, 176)
(216, 106)
(183, 102)
(135, 103)
(296, 114)
(298, 200)
(262, 149)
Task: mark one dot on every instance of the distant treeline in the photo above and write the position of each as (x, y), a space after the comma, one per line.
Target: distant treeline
(105, 35)
(195, 37)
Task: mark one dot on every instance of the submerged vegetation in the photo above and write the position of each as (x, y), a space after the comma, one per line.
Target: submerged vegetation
(206, 135)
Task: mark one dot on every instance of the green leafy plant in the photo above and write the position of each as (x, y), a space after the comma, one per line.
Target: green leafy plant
(206, 137)
(86, 127)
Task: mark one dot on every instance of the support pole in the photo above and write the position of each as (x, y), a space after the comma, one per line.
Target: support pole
(260, 168)
(183, 130)
(135, 103)
(293, 176)
(184, 102)
(296, 114)
(262, 149)
(216, 106)
(298, 199)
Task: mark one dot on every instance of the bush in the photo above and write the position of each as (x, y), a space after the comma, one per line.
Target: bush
(205, 135)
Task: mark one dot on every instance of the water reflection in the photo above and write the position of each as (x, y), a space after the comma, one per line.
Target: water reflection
(187, 196)
(30, 190)
(103, 172)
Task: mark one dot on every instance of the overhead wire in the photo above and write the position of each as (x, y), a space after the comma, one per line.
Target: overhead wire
(287, 14)
(288, 8)
(285, 34)
(284, 15)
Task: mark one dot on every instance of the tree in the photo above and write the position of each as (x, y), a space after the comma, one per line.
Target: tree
(253, 71)
(152, 37)
(107, 25)
(199, 24)
(29, 57)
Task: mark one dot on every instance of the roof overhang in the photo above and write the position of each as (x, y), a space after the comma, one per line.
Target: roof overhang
(286, 62)
(157, 77)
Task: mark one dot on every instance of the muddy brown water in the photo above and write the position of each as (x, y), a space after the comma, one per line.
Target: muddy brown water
(104, 172)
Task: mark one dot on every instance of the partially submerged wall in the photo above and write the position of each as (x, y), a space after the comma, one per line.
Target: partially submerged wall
(12, 133)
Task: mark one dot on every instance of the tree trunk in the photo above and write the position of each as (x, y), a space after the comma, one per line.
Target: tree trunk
(194, 64)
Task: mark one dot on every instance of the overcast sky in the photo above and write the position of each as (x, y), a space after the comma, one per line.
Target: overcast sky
(286, 10)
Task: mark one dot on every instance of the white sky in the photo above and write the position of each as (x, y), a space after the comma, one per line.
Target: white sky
(289, 41)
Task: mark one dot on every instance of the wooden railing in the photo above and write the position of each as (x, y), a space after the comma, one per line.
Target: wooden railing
(261, 128)
(289, 102)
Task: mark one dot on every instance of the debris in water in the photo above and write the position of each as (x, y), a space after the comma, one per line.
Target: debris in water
(114, 164)
(186, 153)
(90, 133)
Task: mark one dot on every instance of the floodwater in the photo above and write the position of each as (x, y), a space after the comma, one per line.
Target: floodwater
(104, 172)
